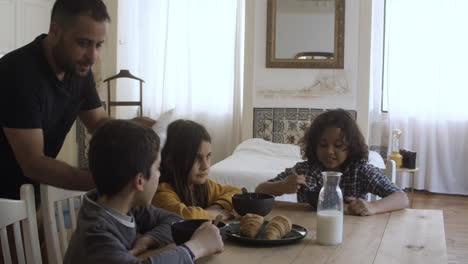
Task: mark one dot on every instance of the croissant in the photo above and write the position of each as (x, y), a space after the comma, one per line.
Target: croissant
(278, 227)
(251, 224)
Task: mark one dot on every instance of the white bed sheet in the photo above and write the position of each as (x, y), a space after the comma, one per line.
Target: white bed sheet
(257, 160)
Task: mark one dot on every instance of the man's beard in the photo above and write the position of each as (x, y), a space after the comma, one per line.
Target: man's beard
(59, 54)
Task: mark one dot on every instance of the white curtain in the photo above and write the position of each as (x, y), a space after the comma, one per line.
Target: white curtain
(425, 73)
(189, 52)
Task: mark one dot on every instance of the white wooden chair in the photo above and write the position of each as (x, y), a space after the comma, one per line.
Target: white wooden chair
(12, 213)
(56, 233)
(390, 172)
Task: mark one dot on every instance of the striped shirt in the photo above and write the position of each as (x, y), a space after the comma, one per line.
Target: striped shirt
(358, 179)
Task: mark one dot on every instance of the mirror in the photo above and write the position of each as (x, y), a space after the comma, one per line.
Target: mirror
(305, 34)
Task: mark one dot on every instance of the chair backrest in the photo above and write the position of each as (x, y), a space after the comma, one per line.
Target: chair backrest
(21, 211)
(58, 205)
(390, 172)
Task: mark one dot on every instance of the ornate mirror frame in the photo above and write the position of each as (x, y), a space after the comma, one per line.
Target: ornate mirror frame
(336, 62)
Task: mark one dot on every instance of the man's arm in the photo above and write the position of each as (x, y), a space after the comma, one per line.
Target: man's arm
(28, 145)
(155, 226)
(93, 118)
(155, 222)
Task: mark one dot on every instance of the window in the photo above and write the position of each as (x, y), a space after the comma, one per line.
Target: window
(425, 56)
(384, 95)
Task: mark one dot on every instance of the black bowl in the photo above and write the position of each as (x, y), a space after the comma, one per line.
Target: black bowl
(183, 230)
(253, 203)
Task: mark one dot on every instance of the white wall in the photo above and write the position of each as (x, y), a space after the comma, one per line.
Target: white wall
(356, 72)
(108, 55)
(21, 21)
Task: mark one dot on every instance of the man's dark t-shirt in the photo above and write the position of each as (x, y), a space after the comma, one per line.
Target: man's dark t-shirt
(32, 97)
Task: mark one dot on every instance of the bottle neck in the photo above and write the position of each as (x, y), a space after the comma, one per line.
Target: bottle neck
(395, 144)
(331, 181)
(331, 178)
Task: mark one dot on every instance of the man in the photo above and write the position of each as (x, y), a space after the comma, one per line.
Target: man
(45, 85)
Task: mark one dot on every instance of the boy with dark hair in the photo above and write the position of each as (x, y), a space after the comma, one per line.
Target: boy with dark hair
(124, 161)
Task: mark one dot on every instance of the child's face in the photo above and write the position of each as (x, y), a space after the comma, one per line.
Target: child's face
(152, 183)
(331, 150)
(201, 166)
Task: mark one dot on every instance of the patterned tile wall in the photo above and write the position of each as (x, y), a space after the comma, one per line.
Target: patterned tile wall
(285, 125)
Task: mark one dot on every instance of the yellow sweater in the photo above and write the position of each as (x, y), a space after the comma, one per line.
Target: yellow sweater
(166, 198)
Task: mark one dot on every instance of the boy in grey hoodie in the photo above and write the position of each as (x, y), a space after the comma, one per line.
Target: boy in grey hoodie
(124, 161)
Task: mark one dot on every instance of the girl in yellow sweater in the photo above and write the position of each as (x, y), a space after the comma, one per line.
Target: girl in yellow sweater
(184, 185)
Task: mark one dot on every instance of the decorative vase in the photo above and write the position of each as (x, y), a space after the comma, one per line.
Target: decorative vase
(397, 157)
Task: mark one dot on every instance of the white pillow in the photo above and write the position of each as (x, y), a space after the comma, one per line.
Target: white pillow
(376, 160)
(161, 125)
(261, 146)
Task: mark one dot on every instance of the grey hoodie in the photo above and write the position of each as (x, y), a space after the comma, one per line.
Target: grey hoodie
(104, 235)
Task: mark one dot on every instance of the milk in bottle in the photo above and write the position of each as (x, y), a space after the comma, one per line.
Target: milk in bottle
(330, 210)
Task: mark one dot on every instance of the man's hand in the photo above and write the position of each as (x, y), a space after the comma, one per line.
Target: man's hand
(28, 147)
(142, 244)
(145, 121)
(292, 183)
(358, 206)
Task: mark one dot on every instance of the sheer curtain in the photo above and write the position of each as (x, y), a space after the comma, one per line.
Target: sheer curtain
(425, 74)
(189, 52)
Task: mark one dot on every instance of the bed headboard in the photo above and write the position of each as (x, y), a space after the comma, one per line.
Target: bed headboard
(285, 125)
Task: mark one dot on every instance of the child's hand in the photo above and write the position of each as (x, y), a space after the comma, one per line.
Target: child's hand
(292, 183)
(358, 207)
(226, 214)
(206, 241)
(216, 210)
(142, 244)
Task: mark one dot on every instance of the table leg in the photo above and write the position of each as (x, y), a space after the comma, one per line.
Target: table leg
(412, 190)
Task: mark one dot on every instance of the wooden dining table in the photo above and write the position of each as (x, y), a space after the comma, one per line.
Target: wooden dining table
(403, 236)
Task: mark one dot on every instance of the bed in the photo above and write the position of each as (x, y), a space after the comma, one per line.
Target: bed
(273, 148)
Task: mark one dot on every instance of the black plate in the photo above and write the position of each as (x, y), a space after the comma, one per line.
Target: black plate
(297, 233)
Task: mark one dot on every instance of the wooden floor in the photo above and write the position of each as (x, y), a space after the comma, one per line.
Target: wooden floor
(455, 209)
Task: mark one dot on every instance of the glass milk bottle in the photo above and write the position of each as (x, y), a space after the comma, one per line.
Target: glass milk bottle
(330, 210)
